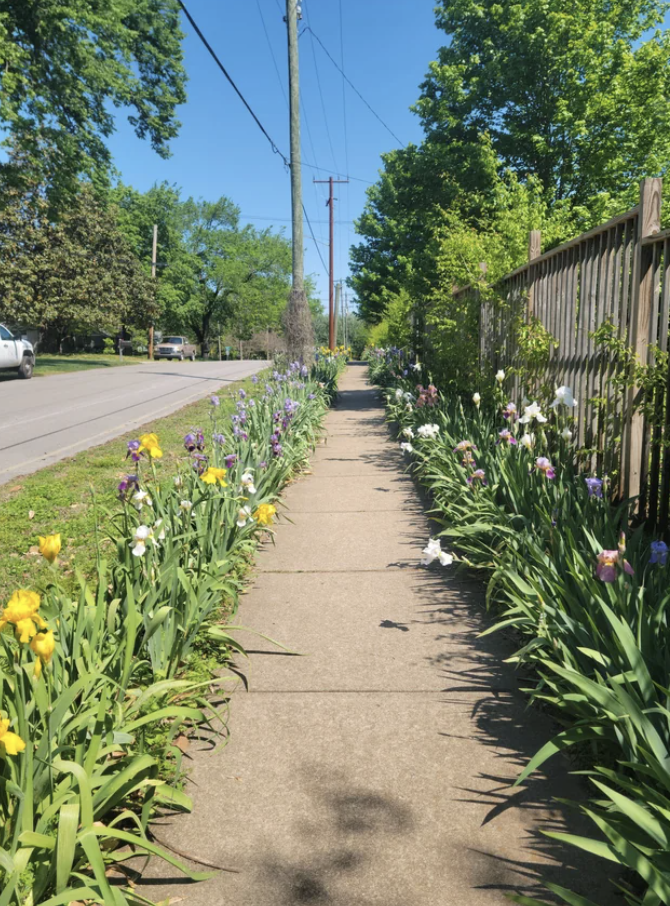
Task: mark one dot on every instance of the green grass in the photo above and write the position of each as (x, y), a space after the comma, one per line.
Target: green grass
(72, 497)
(46, 365)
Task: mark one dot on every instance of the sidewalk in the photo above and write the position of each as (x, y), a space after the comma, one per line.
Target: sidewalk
(376, 769)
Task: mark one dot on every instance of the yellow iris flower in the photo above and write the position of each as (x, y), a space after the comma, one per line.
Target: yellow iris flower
(50, 547)
(212, 475)
(11, 743)
(43, 645)
(22, 612)
(265, 513)
(149, 442)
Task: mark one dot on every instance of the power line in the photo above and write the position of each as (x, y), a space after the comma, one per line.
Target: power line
(346, 136)
(349, 82)
(346, 175)
(288, 219)
(272, 53)
(223, 69)
(323, 104)
(230, 79)
(316, 243)
(273, 145)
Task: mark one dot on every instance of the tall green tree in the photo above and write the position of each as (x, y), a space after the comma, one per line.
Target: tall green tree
(239, 277)
(71, 277)
(573, 93)
(64, 64)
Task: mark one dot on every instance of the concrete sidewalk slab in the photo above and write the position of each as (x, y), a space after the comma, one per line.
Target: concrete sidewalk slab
(377, 770)
(377, 799)
(348, 541)
(353, 494)
(395, 639)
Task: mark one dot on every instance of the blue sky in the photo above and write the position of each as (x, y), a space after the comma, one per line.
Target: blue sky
(387, 46)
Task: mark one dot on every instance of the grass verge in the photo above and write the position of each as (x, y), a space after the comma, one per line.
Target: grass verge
(71, 497)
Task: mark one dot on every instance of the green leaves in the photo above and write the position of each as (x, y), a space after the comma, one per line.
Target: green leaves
(600, 650)
(66, 64)
(77, 275)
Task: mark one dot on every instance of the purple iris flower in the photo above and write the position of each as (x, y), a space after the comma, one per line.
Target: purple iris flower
(269, 389)
(262, 465)
(595, 486)
(243, 394)
(507, 437)
(134, 451)
(252, 403)
(277, 450)
(659, 553)
(304, 371)
(477, 475)
(274, 438)
(542, 464)
(254, 379)
(194, 440)
(215, 401)
(312, 396)
(199, 463)
(230, 460)
(219, 439)
(127, 486)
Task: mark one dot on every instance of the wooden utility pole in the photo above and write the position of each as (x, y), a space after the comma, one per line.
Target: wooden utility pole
(338, 306)
(346, 316)
(154, 251)
(297, 317)
(331, 295)
(296, 162)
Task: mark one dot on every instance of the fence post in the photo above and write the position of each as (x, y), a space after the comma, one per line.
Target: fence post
(639, 335)
(483, 268)
(534, 251)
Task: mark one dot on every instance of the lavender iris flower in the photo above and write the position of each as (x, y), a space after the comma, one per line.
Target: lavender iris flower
(134, 451)
(659, 553)
(595, 486)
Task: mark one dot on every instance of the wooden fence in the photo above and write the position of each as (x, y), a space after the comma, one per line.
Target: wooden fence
(618, 274)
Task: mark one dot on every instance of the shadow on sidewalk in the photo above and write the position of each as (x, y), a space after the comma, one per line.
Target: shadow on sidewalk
(477, 678)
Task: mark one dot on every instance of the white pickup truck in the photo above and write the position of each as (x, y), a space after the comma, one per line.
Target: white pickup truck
(16, 354)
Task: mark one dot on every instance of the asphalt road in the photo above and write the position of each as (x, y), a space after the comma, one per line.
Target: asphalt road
(48, 419)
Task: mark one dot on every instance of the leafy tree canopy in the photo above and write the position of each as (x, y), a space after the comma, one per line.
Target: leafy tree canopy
(538, 114)
(74, 276)
(65, 63)
(573, 93)
(213, 272)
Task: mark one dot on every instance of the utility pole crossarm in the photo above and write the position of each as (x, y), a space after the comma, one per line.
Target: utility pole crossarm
(331, 296)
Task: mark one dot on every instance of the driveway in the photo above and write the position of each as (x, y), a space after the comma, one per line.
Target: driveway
(48, 419)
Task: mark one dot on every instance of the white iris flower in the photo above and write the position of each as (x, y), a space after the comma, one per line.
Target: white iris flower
(247, 482)
(531, 412)
(433, 551)
(142, 535)
(564, 397)
(244, 516)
